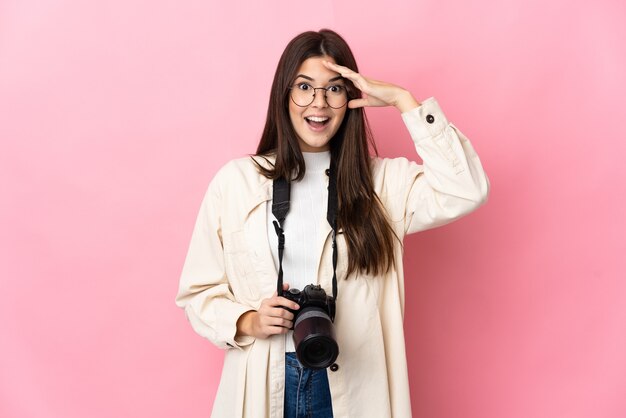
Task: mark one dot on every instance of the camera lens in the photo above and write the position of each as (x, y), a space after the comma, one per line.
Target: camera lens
(316, 350)
(314, 336)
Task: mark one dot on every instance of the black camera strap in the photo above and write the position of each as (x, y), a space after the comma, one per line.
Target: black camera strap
(331, 217)
(280, 208)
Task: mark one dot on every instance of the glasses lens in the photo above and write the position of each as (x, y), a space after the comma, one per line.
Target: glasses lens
(336, 96)
(302, 94)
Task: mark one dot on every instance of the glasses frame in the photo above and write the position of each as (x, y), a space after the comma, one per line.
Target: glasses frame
(315, 92)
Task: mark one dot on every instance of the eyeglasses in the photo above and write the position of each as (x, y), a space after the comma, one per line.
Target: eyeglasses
(303, 94)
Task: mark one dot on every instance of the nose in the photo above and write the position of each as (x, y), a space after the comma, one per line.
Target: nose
(319, 98)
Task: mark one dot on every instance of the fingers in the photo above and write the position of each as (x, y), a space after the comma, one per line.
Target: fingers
(285, 287)
(269, 325)
(344, 71)
(366, 101)
(358, 80)
(273, 316)
(276, 313)
(276, 300)
(281, 301)
(278, 322)
(355, 103)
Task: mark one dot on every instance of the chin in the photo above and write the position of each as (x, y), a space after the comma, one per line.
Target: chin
(314, 146)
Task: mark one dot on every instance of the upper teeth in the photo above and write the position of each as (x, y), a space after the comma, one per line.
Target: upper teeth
(317, 118)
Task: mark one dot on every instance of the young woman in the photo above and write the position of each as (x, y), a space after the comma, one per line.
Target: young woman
(316, 136)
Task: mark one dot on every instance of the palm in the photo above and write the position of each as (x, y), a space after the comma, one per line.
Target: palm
(376, 93)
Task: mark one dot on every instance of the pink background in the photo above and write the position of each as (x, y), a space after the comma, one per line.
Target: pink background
(115, 115)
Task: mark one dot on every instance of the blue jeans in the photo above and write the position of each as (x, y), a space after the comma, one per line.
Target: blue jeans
(307, 394)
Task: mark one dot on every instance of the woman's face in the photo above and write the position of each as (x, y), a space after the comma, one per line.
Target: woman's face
(316, 123)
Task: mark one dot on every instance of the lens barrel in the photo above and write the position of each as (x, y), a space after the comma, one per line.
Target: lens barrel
(314, 338)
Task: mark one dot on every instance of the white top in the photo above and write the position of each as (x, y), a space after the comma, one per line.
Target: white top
(307, 213)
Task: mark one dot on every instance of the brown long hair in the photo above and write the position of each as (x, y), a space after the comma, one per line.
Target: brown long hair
(362, 217)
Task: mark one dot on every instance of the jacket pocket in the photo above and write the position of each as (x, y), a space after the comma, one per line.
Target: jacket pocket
(239, 269)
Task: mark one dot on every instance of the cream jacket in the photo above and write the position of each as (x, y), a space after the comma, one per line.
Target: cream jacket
(229, 269)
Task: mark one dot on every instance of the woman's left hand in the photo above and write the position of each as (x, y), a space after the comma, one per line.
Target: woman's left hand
(377, 93)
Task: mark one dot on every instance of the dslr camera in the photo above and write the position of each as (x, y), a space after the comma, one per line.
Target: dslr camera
(313, 331)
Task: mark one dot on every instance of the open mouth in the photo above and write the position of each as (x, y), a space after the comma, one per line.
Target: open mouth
(317, 122)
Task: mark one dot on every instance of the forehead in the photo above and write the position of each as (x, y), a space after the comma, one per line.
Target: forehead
(313, 68)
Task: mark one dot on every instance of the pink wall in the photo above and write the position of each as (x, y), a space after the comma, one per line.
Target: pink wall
(115, 115)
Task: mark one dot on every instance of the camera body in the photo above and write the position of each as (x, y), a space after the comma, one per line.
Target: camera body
(313, 331)
(309, 297)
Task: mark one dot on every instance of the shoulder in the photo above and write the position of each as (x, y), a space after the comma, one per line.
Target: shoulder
(240, 166)
(238, 186)
(241, 171)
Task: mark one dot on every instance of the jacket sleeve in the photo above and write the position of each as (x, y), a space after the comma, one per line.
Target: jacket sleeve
(204, 291)
(451, 181)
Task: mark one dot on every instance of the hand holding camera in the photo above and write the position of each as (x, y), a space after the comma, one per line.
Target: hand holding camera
(313, 312)
(275, 316)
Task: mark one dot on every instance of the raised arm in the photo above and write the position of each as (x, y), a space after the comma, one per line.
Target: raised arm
(450, 183)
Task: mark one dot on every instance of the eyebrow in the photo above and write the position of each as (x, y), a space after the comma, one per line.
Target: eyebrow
(311, 79)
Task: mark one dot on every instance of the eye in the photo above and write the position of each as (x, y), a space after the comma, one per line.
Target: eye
(304, 86)
(335, 89)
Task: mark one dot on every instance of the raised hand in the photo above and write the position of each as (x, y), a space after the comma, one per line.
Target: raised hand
(376, 93)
